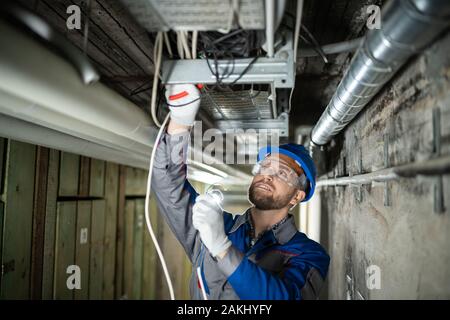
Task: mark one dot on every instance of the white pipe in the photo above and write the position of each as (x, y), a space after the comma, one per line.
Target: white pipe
(34, 134)
(281, 7)
(298, 23)
(168, 46)
(28, 132)
(180, 45)
(157, 58)
(194, 44)
(314, 218)
(60, 100)
(270, 27)
(303, 217)
(29, 111)
(184, 42)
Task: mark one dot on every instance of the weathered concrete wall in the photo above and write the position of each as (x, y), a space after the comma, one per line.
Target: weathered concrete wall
(407, 239)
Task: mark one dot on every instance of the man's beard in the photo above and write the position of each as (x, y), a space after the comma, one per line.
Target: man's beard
(268, 202)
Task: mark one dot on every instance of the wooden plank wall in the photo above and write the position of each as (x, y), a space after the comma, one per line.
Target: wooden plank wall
(128, 250)
(120, 236)
(82, 245)
(50, 225)
(59, 209)
(3, 144)
(37, 249)
(17, 220)
(151, 260)
(64, 248)
(138, 249)
(96, 258)
(109, 250)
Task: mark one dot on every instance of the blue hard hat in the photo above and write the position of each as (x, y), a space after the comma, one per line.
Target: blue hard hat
(300, 155)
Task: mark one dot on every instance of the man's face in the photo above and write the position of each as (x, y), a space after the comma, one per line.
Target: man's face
(268, 192)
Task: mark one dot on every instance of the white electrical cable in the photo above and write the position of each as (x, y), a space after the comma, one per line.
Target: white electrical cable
(168, 46)
(187, 52)
(147, 213)
(194, 44)
(290, 99)
(202, 285)
(157, 56)
(298, 23)
(180, 46)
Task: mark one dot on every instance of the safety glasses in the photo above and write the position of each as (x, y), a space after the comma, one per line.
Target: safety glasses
(275, 168)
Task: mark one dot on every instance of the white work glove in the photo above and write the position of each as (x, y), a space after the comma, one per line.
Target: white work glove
(183, 101)
(207, 218)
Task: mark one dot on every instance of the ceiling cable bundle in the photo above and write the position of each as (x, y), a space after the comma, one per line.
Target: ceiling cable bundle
(237, 44)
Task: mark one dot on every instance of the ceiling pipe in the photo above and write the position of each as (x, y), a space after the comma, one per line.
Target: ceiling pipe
(28, 132)
(406, 28)
(270, 27)
(34, 134)
(280, 7)
(274, 13)
(42, 29)
(39, 87)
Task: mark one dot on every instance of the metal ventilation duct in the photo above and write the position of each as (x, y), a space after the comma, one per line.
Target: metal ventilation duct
(237, 105)
(407, 27)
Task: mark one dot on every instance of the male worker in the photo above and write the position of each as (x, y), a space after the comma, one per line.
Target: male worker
(257, 255)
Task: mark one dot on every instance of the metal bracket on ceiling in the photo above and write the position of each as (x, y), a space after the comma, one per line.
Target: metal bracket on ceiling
(278, 70)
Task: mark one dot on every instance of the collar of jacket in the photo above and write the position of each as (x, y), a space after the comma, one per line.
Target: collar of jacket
(283, 232)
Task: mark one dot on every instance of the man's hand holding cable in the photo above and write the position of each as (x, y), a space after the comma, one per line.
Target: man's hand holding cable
(207, 218)
(183, 101)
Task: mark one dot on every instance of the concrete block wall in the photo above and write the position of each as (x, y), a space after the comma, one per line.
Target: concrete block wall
(406, 238)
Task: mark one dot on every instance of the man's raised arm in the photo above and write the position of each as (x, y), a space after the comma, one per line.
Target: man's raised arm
(174, 194)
